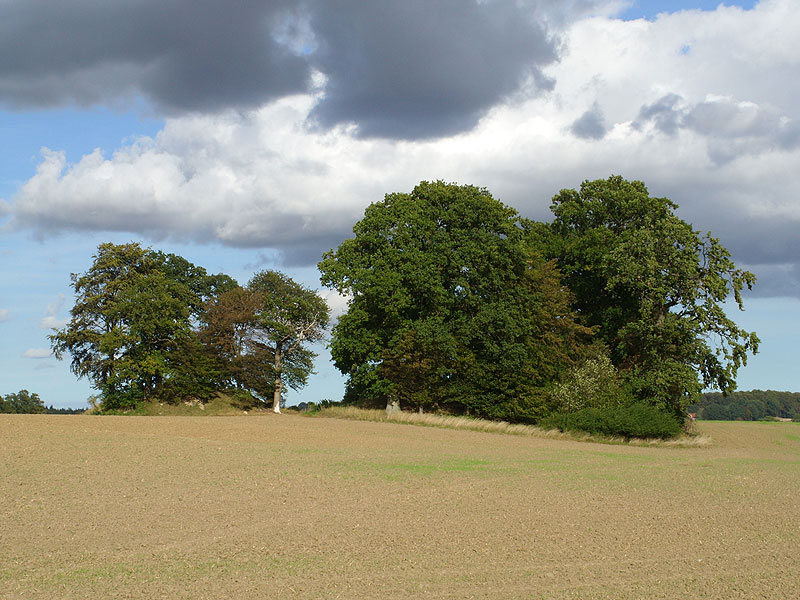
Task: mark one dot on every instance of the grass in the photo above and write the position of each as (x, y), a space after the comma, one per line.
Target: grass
(696, 440)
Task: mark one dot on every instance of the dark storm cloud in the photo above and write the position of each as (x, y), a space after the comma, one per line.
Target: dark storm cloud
(395, 69)
(182, 54)
(768, 247)
(417, 68)
(590, 125)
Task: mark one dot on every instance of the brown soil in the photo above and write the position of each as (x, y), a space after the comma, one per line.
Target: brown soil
(293, 507)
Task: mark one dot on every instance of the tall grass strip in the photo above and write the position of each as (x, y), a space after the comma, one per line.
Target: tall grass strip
(502, 427)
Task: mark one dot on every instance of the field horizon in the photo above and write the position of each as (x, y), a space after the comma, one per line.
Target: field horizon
(286, 506)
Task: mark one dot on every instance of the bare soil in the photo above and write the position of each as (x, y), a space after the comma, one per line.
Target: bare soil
(294, 507)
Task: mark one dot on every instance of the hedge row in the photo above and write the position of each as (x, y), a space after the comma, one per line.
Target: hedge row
(633, 421)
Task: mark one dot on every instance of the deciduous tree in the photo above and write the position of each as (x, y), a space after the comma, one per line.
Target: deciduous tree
(130, 331)
(654, 289)
(288, 316)
(23, 402)
(450, 305)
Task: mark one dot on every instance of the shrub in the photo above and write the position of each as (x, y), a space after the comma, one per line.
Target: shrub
(633, 421)
(245, 400)
(593, 384)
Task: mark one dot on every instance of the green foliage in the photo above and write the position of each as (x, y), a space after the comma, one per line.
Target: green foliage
(222, 403)
(131, 329)
(747, 406)
(23, 402)
(653, 288)
(288, 316)
(51, 410)
(260, 333)
(592, 384)
(450, 307)
(229, 320)
(633, 421)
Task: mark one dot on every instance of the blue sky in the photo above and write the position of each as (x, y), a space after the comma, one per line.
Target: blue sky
(240, 163)
(650, 9)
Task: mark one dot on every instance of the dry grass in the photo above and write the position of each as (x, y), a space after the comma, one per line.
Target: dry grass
(696, 440)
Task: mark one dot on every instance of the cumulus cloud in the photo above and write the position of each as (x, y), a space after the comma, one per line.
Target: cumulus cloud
(3, 314)
(37, 353)
(687, 103)
(731, 128)
(336, 302)
(590, 125)
(50, 319)
(250, 180)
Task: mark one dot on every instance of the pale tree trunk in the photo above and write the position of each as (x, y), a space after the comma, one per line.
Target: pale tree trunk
(276, 395)
(392, 406)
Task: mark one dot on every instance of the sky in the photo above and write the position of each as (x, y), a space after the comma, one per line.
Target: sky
(252, 135)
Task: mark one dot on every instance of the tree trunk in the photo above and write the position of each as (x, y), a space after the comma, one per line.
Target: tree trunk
(276, 395)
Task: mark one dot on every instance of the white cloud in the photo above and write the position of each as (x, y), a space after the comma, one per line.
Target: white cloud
(50, 320)
(263, 178)
(336, 302)
(37, 353)
(3, 314)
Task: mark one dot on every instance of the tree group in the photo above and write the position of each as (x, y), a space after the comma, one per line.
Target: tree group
(609, 316)
(23, 402)
(458, 303)
(748, 406)
(451, 306)
(148, 325)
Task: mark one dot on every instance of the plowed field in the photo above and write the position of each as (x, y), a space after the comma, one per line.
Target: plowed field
(293, 507)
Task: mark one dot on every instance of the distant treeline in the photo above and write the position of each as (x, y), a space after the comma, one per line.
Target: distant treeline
(51, 410)
(23, 402)
(747, 406)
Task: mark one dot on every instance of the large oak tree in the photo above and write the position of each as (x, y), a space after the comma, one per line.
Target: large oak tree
(450, 306)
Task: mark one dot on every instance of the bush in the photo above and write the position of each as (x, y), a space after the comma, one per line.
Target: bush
(593, 384)
(634, 421)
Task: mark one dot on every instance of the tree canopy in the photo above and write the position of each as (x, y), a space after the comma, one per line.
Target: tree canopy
(148, 325)
(610, 312)
(23, 402)
(130, 330)
(450, 305)
(265, 330)
(457, 302)
(653, 288)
